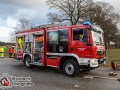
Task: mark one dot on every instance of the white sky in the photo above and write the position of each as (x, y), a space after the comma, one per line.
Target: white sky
(33, 10)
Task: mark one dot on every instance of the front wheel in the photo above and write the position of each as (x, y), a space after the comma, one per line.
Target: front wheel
(28, 61)
(71, 68)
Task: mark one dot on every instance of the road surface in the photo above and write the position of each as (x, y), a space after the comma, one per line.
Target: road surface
(52, 79)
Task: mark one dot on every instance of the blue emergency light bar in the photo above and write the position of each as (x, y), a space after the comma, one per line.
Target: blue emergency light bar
(93, 26)
(86, 23)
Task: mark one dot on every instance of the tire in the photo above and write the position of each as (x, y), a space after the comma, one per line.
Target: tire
(28, 61)
(71, 68)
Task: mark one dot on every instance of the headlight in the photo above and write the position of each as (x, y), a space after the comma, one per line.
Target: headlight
(94, 60)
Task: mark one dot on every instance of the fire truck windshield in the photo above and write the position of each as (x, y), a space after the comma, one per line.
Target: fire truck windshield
(98, 38)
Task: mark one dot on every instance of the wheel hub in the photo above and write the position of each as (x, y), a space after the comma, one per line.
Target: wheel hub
(69, 68)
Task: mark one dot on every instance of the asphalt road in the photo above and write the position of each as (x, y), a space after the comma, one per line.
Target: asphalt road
(52, 79)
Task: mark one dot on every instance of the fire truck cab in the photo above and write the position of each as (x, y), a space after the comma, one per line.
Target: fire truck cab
(68, 48)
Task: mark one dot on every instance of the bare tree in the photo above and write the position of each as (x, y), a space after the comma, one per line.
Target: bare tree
(53, 17)
(12, 37)
(22, 24)
(103, 14)
(68, 10)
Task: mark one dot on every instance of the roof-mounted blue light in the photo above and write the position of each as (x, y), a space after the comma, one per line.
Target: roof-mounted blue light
(86, 23)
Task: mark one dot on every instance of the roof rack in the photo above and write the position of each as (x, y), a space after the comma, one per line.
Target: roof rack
(46, 26)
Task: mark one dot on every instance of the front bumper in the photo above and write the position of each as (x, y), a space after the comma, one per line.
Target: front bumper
(89, 61)
(101, 60)
(92, 62)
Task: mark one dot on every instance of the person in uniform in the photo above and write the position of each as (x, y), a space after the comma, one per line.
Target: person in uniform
(2, 52)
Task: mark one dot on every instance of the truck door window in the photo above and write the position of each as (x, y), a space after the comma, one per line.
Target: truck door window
(52, 41)
(63, 41)
(77, 34)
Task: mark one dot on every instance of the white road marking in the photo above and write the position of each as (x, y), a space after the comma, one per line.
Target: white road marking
(77, 86)
(91, 77)
(88, 76)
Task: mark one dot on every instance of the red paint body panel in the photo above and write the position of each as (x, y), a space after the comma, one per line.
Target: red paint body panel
(81, 49)
(52, 62)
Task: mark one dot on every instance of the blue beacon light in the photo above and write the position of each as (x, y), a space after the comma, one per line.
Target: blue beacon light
(86, 23)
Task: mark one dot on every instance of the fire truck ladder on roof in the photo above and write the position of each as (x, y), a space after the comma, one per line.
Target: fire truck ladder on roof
(46, 26)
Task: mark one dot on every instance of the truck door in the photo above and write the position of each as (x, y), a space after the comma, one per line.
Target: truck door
(57, 44)
(52, 48)
(79, 46)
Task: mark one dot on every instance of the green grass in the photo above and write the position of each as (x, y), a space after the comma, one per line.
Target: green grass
(113, 54)
(6, 51)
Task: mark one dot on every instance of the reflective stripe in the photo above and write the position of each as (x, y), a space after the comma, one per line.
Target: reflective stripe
(2, 49)
(66, 54)
(81, 61)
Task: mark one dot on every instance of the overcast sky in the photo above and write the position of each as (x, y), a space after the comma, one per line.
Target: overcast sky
(33, 10)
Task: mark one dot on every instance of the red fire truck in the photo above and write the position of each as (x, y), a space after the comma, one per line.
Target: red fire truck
(68, 48)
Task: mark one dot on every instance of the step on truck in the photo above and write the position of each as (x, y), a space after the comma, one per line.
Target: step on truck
(68, 48)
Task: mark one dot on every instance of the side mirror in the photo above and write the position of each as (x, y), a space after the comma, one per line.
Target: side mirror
(85, 35)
